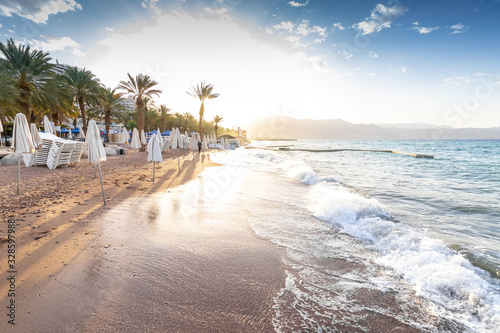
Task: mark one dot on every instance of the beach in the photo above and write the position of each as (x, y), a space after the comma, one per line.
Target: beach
(74, 273)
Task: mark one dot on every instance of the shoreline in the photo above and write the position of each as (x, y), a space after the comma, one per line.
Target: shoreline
(64, 278)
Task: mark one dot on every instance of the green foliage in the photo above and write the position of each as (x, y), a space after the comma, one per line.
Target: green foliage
(141, 86)
(202, 91)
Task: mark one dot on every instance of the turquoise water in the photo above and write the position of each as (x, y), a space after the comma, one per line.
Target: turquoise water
(454, 197)
(433, 222)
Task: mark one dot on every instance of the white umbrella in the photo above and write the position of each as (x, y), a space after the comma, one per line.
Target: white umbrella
(96, 150)
(135, 143)
(22, 141)
(193, 145)
(143, 137)
(81, 133)
(47, 127)
(160, 139)
(175, 138)
(198, 137)
(125, 135)
(1, 130)
(204, 145)
(154, 152)
(35, 136)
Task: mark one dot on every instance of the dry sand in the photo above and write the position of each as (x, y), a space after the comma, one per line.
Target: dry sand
(78, 270)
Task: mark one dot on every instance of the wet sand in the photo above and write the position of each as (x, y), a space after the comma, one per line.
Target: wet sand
(85, 267)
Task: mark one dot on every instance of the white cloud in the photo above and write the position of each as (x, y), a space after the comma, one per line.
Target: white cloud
(37, 10)
(380, 18)
(237, 63)
(284, 26)
(56, 44)
(298, 4)
(220, 11)
(296, 42)
(422, 30)
(317, 63)
(338, 26)
(457, 80)
(372, 54)
(458, 29)
(460, 80)
(152, 4)
(269, 31)
(110, 29)
(403, 69)
(371, 74)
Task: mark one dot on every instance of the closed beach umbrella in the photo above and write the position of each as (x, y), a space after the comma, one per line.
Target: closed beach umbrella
(81, 133)
(154, 152)
(204, 145)
(21, 141)
(47, 127)
(37, 141)
(125, 136)
(175, 138)
(143, 138)
(96, 150)
(135, 143)
(193, 144)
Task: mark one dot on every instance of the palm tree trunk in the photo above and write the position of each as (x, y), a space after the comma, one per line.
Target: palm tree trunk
(140, 116)
(82, 111)
(107, 121)
(202, 111)
(146, 119)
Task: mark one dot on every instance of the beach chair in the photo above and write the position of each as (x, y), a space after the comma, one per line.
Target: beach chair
(77, 153)
(60, 154)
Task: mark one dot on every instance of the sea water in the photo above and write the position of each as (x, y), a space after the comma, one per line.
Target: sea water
(378, 233)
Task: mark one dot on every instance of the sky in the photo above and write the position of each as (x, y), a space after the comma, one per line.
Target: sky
(362, 61)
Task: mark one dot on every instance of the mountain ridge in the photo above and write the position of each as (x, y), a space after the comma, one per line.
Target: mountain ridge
(286, 127)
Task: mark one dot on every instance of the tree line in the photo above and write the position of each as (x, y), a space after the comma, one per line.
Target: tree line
(30, 84)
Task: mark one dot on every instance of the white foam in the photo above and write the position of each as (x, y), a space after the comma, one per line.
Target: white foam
(461, 290)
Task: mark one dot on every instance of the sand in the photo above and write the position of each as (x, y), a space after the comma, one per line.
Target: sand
(85, 267)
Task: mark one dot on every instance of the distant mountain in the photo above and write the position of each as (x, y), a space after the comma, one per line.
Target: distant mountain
(285, 127)
(412, 126)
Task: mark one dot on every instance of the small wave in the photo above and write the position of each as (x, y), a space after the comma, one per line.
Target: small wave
(462, 292)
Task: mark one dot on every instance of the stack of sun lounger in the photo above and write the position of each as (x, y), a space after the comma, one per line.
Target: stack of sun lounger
(55, 152)
(77, 153)
(60, 153)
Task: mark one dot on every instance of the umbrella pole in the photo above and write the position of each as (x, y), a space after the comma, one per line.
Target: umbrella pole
(154, 165)
(193, 158)
(94, 172)
(18, 173)
(135, 158)
(102, 186)
(178, 160)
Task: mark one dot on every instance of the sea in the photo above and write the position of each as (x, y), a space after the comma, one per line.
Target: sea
(374, 237)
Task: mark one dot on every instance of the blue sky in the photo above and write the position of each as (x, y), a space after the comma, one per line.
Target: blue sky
(362, 61)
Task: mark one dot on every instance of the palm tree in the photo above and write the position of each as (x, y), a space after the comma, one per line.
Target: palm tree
(217, 120)
(202, 91)
(110, 106)
(85, 89)
(9, 97)
(31, 72)
(163, 116)
(141, 86)
(147, 103)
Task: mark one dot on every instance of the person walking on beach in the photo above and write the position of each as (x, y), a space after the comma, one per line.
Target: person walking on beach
(199, 147)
